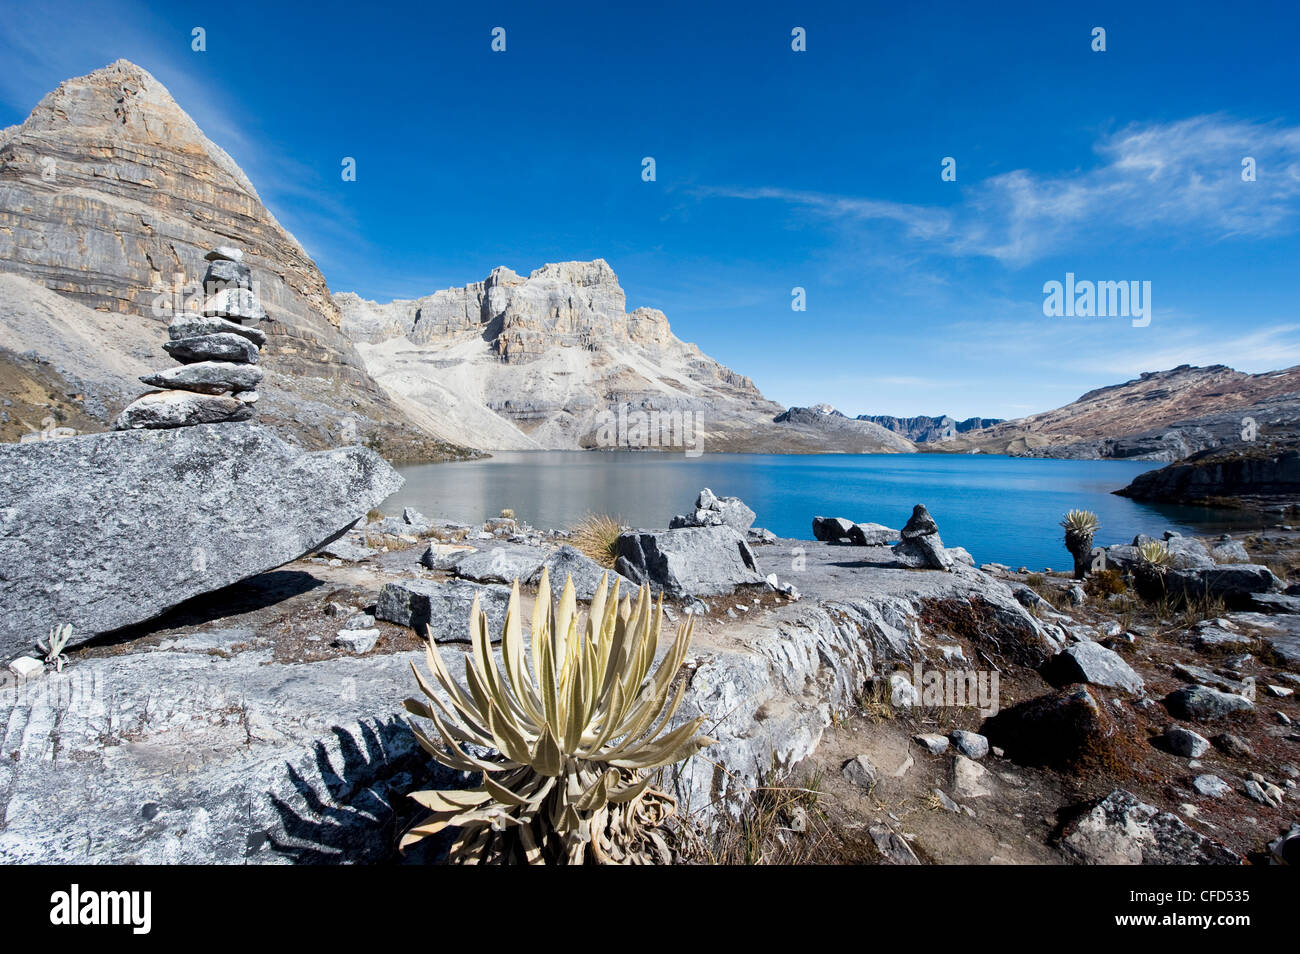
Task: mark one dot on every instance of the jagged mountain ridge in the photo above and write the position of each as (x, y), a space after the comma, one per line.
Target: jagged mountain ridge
(537, 362)
(915, 430)
(929, 430)
(108, 191)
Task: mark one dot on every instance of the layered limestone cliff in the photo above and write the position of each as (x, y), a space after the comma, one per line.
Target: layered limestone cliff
(555, 360)
(110, 195)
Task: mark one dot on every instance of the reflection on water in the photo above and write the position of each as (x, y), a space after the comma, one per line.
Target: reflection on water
(1002, 509)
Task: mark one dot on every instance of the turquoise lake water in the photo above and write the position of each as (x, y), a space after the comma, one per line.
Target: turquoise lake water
(1001, 509)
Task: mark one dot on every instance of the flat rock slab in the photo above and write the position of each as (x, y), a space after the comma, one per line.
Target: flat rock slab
(222, 346)
(1287, 647)
(185, 756)
(106, 530)
(207, 377)
(168, 409)
(347, 551)
(190, 325)
(503, 564)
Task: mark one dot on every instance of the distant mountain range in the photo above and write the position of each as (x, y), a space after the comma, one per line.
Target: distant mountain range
(918, 430)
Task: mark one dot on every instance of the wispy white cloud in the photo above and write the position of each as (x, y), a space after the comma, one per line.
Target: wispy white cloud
(1264, 349)
(1184, 175)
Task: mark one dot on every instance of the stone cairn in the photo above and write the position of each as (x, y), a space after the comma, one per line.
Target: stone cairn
(217, 348)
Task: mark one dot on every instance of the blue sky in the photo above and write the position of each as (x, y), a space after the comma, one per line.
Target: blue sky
(775, 169)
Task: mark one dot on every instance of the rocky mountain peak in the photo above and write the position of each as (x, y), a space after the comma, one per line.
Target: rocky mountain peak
(123, 102)
(111, 196)
(561, 304)
(583, 274)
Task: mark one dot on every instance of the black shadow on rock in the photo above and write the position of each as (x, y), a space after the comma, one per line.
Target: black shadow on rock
(247, 596)
(355, 812)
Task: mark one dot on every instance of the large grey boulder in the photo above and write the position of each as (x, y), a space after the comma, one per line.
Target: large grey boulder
(1122, 830)
(1228, 550)
(1187, 552)
(105, 530)
(919, 544)
(871, 535)
(1184, 742)
(692, 561)
(831, 529)
(1096, 665)
(714, 511)
(1121, 557)
(1231, 582)
(443, 607)
(569, 563)
(1203, 704)
(503, 564)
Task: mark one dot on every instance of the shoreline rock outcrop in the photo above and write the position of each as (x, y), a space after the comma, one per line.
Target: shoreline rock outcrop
(1265, 474)
(713, 511)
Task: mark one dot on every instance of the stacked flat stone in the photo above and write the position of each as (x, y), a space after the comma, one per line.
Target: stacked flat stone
(218, 351)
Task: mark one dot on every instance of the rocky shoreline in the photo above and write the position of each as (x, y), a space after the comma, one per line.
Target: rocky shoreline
(1263, 477)
(262, 722)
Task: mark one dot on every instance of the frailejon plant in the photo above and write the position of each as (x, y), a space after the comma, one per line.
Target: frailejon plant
(1154, 558)
(576, 736)
(1080, 527)
(54, 644)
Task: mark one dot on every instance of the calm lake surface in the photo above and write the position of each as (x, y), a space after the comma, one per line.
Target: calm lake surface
(1001, 509)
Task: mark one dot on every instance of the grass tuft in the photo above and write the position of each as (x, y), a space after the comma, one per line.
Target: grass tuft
(596, 535)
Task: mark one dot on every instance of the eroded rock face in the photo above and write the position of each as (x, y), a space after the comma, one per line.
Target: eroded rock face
(105, 530)
(1122, 830)
(551, 360)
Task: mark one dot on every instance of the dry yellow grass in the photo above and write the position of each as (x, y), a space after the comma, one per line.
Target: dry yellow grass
(596, 535)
